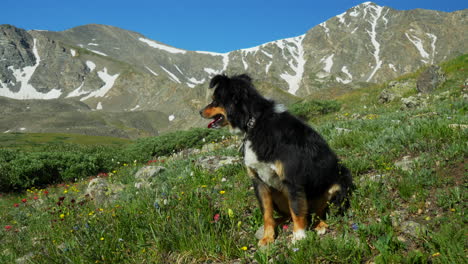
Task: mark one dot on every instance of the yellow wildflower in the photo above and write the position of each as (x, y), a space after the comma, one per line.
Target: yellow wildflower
(222, 192)
(244, 248)
(62, 216)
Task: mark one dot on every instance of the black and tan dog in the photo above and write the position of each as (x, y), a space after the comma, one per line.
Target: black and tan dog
(293, 169)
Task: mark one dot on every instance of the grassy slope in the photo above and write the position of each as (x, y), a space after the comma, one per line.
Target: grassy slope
(174, 222)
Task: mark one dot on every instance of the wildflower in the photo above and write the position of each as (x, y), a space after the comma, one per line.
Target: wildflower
(91, 213)
(285, 227)
(295, 249)
(121, 240)
(436, 254)
(102, 238)
(24, 200)
(222, 192)
(65, 191)
(156, 205)
(244, 248)
(354, 226)
(8, 227)
(62, 216)
(46, 192)
(35, 197)
(15, 205)
(204, 186)
(452, 209)
(216, 217)
(230, 213)
(239, 224)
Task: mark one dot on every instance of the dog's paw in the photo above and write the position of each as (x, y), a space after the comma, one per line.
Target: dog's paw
(265, 241)
(298, 235)
(321, 228)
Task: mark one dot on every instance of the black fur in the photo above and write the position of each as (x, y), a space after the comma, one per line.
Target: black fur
(310, 166)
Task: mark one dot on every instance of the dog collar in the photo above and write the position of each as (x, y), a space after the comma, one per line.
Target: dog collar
(251, 123)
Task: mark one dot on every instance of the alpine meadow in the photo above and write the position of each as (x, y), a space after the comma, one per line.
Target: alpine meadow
(104, 157)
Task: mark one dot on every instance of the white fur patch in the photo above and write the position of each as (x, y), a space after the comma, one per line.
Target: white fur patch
(298, 235)
(280, 108)
(333, 190)
(265, 171)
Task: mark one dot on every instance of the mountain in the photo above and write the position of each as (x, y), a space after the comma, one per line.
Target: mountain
(114, 72)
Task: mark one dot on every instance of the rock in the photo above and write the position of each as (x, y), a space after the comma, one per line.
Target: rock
(458, 126)
(406, 163)
(25, 259)
(343, 130)
(259, 233)
(412, 102)
(430, 79)
(147, 173)
(397, 217)
(395, 90)
(213, 163)
(412, 228)
(102, 192)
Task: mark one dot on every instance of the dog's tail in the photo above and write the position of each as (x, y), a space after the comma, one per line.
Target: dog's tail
(341, 199)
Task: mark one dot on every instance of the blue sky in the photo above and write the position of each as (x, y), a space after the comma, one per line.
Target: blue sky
(210, 25)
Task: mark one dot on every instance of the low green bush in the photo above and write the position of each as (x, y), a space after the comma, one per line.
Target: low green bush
(54, 163)
(309, 109)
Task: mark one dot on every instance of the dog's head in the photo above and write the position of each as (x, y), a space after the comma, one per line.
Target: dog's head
(232, 101)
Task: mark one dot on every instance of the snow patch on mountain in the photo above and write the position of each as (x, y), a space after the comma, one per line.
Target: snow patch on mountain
(328, 62)
(375, 15)
(77, 92)
(433, 46)
(152, 72)
(91, 65)
(345, 70)
(417, 42)
(98, 52)
(171, 75)
(156, 45)
(108, 80)
(23, 76)
(296, 63)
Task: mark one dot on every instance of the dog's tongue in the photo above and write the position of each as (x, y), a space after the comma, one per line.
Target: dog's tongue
(210, 125)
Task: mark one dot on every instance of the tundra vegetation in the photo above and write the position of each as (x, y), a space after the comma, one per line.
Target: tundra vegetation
(409, 166)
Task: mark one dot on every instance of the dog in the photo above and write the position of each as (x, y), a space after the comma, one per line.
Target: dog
(294, 171)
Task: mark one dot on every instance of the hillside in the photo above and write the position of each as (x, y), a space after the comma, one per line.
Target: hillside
(407, 154)
(114, 71)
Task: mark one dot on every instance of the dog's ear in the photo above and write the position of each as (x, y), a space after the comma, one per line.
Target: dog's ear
(218, 79)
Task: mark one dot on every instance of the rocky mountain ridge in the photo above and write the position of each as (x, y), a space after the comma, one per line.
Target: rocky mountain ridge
(115, 70)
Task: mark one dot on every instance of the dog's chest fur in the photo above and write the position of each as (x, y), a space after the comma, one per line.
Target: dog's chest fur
(266, 171)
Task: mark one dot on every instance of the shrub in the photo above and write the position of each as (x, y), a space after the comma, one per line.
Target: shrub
(308, 109)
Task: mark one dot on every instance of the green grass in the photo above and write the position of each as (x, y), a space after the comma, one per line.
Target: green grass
(195, 216)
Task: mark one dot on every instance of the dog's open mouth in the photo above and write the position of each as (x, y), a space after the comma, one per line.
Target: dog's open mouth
(218, 121)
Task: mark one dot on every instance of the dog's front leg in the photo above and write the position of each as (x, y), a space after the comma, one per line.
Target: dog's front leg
(265, 199)
(299, 212)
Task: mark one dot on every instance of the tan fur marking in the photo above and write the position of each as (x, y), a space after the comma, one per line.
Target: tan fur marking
(279, 169)
(268, 220)
(210, 112)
